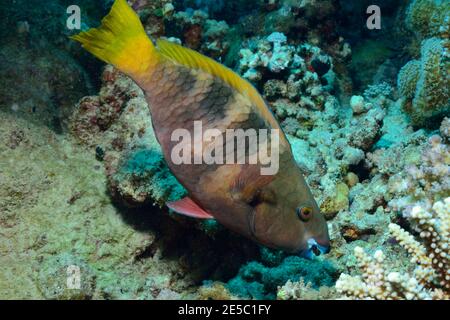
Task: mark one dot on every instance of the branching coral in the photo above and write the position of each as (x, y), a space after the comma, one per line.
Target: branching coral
(300, 290)
(432, 256)
(375, 282)
(426, 183)
(431, 277)
(415, 189)
(420, 192)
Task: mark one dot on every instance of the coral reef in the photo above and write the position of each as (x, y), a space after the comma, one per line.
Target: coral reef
(299, 69)
(418, 192)
(118, 123)
(424, 83)
(304, 291)
(426, 182)
(200, 33)
(328, 153)
(428, 18)
(312, 21)
(429, 279)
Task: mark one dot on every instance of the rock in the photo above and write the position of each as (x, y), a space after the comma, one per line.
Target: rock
(335, 202)
(351, 179)
(357, 104)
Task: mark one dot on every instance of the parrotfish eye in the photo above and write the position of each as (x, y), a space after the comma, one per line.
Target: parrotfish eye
(304, 213)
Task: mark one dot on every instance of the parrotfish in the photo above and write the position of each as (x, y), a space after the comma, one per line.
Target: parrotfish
(182, 88)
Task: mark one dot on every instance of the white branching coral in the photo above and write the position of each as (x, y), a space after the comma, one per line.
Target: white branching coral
(431, 277)
(426, 183)
(299, 290)
(433, 228)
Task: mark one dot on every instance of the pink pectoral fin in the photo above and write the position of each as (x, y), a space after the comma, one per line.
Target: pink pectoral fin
(188, 207)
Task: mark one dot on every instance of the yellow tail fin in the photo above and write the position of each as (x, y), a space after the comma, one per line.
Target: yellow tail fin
(121, 41)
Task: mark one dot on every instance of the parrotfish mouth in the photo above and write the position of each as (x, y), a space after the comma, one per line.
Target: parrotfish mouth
(313, 249)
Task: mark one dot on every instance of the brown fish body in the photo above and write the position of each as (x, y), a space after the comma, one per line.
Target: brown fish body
(182, 88)
(190, 95)
(179, 96)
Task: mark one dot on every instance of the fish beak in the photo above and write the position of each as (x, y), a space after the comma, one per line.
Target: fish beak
(313, 249)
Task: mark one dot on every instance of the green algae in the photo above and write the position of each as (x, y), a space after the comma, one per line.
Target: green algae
(258, 281)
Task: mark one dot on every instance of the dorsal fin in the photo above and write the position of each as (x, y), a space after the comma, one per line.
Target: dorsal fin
(195, 60)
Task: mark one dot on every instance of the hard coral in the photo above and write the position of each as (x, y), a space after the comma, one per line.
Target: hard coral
(424, 83)
(426, 182)
(420, 191)
(427, 17)
(214, 291)
(296, 73)
(429, 280)
(95, 114)
(300, 290)
(198, 32)
(407, 79)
